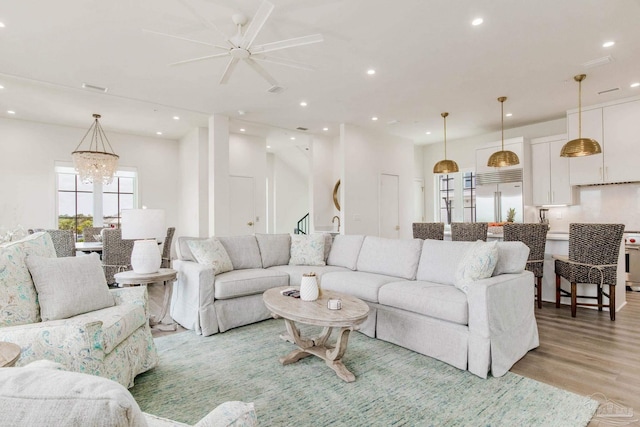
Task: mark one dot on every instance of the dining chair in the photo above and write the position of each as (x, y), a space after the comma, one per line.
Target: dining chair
(116, 253)
(428, 230)
(535, 237)
(166, 248)
(593, 259)
(469, 231)
(63, 242)
(89, 233)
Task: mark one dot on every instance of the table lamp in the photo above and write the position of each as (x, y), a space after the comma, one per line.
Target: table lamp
(144, 226)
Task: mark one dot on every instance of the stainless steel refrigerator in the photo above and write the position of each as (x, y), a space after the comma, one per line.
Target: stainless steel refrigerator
(496, 193)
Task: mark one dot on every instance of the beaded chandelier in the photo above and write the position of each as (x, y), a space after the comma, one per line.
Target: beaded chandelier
(95, 164)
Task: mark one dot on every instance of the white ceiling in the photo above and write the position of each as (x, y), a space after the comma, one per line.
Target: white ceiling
(427, 56)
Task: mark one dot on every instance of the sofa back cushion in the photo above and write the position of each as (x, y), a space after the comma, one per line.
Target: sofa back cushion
(439, 260)
(183, 252)
(391, 257)
(18, 297)
(512, 257)
(243, 251)
(345, 250)
(275, 249)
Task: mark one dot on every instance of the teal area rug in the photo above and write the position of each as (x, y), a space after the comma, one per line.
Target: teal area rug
(393, 387)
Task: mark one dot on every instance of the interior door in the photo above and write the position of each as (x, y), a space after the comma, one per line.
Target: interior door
(389, 207)
(241, 205)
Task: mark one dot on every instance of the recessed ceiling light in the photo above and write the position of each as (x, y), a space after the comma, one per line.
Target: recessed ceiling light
(176, 118)
(10, 112)
(1, 24)
(158, 133)
(508, 115)
(268, 146)
(242, 129)
(477, 22)
(293, 138)
(303, 104)
(636, 84)
(1, 87)
(608, 44)
(325, 129)
(371, 71)
(428, 132)
(374, 118)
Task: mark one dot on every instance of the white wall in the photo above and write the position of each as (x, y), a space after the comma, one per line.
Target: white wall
(29, 150)
(291, 189)
(367, 155)
(324, 179)
(194, 189)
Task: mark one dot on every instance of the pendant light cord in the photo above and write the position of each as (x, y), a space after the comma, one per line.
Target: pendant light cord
(445, 136)
(580, 109)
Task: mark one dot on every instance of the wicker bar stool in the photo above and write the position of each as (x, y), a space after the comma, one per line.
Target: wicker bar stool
(593, 259)
(469, 231)
(535, 237)
(116, 253)
(63, 242)
(428, 230)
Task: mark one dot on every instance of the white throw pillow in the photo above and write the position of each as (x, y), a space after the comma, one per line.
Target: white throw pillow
(478, 263)
(307, 249)
(211, 252)
(69, 286)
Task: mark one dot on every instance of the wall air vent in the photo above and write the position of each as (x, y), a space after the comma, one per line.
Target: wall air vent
(302, 129)
(598, 62)
(275, 89)
(94, 87)
(613, 89)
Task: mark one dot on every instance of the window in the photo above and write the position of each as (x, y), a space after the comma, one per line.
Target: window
(93, 205)
(456, 197)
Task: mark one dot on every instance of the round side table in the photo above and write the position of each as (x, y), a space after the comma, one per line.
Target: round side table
(9, 354)
(165, 275)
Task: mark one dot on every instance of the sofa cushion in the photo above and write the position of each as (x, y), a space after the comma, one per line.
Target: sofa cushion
(33, 396)
(430, 299)
(478, 263)
(18, 296)
(211, 252)
(275, 249)
(295, 272)
(345, 250)
(512, 257)
(328, 241)
(357, 283)
(439, 260)
(307, 249)
(239, 283)
(69, 286)
(182, 248)
(392, 257)
(118, 322)
(243, 251)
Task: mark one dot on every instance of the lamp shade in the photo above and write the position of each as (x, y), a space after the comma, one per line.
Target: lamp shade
(144, 226)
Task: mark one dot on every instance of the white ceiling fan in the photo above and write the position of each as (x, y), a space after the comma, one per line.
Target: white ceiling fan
(240, 46)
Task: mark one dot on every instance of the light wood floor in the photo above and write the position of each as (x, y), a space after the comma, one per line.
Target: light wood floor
(587, 354)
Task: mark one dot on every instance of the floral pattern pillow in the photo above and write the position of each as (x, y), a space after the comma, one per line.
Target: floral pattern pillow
(307, 249)
(211, 252)
(478, 263)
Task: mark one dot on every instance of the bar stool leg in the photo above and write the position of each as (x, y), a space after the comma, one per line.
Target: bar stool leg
(557, 291)
(539, 291)
(612, 302)
(574, 298)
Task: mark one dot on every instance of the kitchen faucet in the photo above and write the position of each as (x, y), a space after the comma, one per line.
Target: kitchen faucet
(338, 218)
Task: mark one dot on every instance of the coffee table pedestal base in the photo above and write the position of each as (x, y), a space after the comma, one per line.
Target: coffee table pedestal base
(332, 355)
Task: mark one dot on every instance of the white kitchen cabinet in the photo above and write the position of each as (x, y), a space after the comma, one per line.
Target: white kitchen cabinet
(550, 184)
(616, 127)
(587, 169)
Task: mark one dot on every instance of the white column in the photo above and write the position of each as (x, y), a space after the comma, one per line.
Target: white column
(218, 175)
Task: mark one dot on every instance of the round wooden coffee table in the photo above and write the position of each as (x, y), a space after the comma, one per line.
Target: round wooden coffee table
(353, 312)
(9, 354)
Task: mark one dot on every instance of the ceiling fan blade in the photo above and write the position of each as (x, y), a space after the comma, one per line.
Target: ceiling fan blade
(256, 24)
(282, 61)
(260, 70)
(202, 58)
(185, 39)
(227, 71)
(200, 17)
(284, 44)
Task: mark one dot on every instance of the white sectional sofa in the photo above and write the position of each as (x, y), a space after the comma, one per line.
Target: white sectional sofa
(422, 294)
